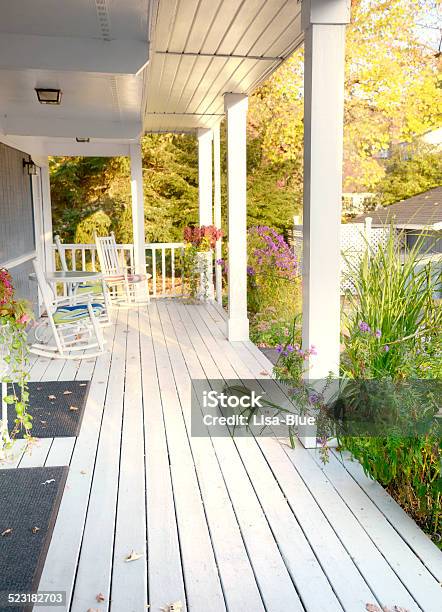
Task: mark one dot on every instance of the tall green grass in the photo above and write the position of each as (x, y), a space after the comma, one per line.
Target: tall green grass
(392, 329)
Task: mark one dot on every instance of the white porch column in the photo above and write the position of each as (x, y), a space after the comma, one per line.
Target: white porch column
(323, 22)
(205, 176)
(136, 184)
(235, 106)
(46, 219)
(217, 209)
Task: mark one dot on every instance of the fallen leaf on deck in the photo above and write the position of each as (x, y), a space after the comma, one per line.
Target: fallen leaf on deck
(35, 529)
(93, 610)
(52, 397)
(48, 481)
(6, 532)
(82, 471)
(372, 608)
(264, 373)
(100, 597)
(67, 392)
(134, 556)
(177, 606)
(73, 408)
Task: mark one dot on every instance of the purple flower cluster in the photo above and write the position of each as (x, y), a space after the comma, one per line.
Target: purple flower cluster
(274, 252)
(295, 348)
(366, 329)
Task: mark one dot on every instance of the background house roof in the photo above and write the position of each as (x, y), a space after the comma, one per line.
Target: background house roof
(421, 210)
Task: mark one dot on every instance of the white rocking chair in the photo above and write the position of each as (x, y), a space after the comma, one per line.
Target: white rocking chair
(75, 327)
(79, 292)
(124, 285)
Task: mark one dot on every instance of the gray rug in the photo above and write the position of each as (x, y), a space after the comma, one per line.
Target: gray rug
(30, 498)
(56, 407)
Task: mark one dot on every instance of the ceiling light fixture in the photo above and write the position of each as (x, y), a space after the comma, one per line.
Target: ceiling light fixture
(48, 96)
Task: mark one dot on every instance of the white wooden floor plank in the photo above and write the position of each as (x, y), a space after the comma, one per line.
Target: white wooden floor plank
(348, 583)
(60, 452)
(378, 574)
(426, 590)
(94, 571)
(419, 542)
(239, 583)
(61, 562)
(129, 579)
(275, 584)
(36, 453)
(201, 577)
(165, 572)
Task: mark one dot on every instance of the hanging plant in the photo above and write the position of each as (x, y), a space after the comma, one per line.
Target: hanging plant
(14, 360)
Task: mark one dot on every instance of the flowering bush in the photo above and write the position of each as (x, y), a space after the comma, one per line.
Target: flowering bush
(273, 277)
(203, 237)
(14, 316)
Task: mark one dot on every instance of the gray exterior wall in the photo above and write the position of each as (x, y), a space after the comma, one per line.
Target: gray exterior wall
(17, 234)
(432, 242)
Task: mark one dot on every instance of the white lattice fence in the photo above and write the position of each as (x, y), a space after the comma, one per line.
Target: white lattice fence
(355, 239)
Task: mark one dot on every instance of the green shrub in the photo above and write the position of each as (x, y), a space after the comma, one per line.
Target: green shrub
(392, 331)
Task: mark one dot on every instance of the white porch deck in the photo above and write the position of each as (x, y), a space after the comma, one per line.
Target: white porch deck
(221, 525)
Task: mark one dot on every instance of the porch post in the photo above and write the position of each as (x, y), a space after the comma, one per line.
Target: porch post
(217, 209)
(136, 184)
(235, 106)
(46, 218)
(205, 176)
(323, 23)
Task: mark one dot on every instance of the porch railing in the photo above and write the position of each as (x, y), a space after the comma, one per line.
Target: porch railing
(163, 261)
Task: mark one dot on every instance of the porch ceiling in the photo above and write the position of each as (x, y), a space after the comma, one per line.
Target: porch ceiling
(203, 48)
(96, 53)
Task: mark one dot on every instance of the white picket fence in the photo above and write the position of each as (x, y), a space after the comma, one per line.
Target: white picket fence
(163, 261)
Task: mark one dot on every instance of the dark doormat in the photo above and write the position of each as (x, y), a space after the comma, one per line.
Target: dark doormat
(56, 407)
(29, 502)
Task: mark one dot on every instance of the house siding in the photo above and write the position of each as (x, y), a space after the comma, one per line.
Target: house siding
(17, 231)
(431, 241)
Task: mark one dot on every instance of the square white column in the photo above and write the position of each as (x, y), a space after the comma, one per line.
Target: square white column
(205, 176)
(217, 209)
(46, 218)
(136, 185)
(324, 25)
(235, 106)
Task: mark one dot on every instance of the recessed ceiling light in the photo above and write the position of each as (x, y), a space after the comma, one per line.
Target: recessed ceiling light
(48, 96)
(82, 139)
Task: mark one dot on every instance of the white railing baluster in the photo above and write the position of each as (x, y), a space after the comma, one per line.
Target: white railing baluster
(83, 258)
(154, 271)
(163, 272)
(172, 269)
